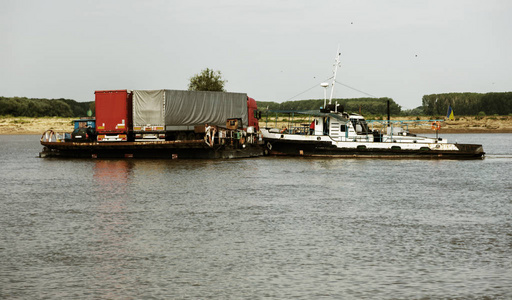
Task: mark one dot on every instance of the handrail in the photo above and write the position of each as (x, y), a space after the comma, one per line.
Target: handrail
(50, 136)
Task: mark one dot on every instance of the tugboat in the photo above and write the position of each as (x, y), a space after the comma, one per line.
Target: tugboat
(335, 133)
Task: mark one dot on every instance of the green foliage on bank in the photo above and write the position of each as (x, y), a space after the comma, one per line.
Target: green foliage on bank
(367, 106)
(463, 104)
(31, 107)
(468, 104)
(418, 111)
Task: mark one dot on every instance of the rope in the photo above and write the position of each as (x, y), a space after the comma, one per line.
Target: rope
(316, 85)
(356, 90)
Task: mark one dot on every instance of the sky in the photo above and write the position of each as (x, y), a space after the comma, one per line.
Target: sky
(271, 50)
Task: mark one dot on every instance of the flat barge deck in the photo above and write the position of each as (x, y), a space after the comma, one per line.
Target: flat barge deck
(157, 149)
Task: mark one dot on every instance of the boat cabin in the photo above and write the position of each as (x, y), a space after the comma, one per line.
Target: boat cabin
(339, 126)
(342, 127)
(85, 123)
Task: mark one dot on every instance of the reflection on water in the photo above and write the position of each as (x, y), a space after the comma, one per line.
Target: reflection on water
(256, 228)
(110, 229)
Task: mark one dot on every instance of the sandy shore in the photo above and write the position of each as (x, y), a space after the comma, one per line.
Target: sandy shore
(22, 125)
(498, 124)
(492, 124)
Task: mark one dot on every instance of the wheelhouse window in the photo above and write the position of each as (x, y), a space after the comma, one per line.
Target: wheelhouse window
(360, 126)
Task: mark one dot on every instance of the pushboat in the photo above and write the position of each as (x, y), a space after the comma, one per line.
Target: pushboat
(336, 133)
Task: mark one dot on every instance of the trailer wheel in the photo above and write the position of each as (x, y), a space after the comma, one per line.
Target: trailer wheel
(181, 136)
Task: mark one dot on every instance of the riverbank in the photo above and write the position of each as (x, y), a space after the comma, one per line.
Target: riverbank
(24, 125)
(470, 124)
(491, 124)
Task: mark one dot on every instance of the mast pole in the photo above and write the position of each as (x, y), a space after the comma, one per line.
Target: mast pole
(336, 64)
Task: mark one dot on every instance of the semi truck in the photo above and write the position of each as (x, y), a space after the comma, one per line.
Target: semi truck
(169, 115)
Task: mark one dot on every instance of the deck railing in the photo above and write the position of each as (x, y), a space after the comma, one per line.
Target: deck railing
(55, 137)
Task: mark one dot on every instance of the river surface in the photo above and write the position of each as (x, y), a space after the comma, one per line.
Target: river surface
(260, 228)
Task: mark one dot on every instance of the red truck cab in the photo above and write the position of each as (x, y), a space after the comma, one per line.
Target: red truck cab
(253, 113)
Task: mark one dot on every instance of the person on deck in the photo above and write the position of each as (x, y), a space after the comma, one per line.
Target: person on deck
(312, 128)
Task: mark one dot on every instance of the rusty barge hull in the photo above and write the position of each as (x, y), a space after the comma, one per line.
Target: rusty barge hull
(192, 149)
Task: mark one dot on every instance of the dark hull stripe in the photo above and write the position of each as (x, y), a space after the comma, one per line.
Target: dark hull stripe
(326, 149)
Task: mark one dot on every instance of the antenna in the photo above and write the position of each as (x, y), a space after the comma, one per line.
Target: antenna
(325, 85)
(336, 65)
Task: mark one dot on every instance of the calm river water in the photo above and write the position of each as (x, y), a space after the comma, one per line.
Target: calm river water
(262, 228)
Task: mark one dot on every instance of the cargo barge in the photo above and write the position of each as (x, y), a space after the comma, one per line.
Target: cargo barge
(158, 149)
(162, 124)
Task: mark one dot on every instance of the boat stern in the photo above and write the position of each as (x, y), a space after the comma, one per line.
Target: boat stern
(471, 149)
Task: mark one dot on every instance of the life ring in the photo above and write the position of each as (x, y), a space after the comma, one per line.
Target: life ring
(209, 137)
(48, 135)
(214, 131)
(436, 126)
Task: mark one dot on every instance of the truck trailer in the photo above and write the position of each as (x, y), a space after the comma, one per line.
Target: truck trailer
(113, 115)
(182, 115)
(169, 115)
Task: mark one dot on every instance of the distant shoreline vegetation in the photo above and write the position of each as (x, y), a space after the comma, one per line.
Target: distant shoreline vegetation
(368, 106)
(468, 104)
(34, 107)
(463, 104)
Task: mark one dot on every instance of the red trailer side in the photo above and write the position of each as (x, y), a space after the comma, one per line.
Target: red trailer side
(113, 115)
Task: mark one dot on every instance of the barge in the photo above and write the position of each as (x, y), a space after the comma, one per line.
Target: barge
(157, 149)
(162, 124)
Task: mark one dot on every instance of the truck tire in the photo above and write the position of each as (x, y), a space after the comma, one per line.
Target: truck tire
(182, 136)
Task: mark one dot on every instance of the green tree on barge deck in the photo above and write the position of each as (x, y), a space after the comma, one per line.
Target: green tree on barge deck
(207, 80)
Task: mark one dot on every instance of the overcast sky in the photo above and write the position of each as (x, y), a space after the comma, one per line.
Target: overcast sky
(271, 50)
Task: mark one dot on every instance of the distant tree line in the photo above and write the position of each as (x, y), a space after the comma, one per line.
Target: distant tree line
(31, 107)
(367, 106)
(433, 105)
(468, 103)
